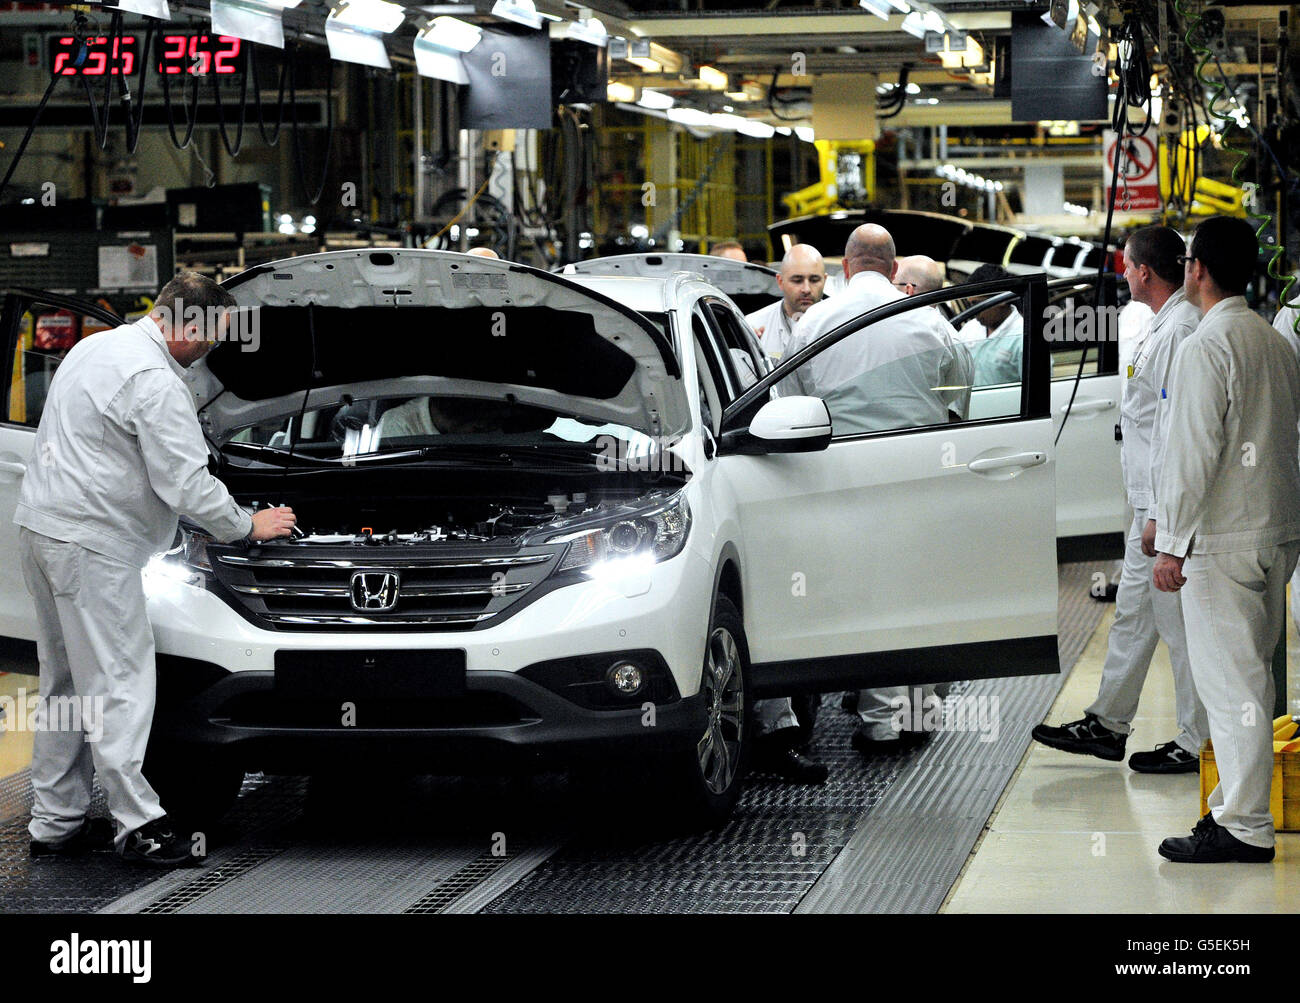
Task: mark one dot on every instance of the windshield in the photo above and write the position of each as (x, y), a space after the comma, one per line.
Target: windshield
(368, 426)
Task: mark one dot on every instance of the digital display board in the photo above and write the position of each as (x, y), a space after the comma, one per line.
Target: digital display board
(174, 54)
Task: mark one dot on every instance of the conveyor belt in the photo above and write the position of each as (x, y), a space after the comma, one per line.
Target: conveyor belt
(543, 844)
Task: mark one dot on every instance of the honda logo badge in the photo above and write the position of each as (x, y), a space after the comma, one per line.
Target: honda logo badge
(374, 591)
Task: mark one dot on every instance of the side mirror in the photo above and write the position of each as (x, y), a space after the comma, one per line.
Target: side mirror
(784, 425)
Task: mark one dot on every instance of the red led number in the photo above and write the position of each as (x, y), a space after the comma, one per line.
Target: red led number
(172, 58)
(97, 62)
(229, 50)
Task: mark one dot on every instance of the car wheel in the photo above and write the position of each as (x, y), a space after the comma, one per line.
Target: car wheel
(712, 770)
(195, 789)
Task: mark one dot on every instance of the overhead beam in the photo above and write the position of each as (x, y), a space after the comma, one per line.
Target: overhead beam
(752, 25)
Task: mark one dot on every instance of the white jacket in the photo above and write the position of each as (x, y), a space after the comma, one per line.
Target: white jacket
(119, 452)
(1141, 417)
(903, 372)
(777, 325)
(1231, 479)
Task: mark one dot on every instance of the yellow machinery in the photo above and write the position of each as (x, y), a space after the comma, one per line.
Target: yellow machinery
(1209, 197)
(847, 178)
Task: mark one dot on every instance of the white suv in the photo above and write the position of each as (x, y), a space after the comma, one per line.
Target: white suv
(544, 521)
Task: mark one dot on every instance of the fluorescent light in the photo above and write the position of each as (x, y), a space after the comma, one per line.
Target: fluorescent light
(452, 33)
(902, 6)
(804, 132)
(914, 24)
(252, 20)
(881, 8)
(689, 116)
(646, 63)
(969, 55)
(784, 130)
(616, 90)
(933, 21)
(656, 100)
(438, 63)
(753, 127)
(519, 11)
(368, 15)
(713, 79)
(590, 30)
(738, 95)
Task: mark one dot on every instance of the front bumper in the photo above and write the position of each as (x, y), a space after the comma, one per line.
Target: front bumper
(502, 721)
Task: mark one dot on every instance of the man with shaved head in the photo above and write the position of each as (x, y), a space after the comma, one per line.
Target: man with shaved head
(900, 372)
(802, 279)
(918, 274)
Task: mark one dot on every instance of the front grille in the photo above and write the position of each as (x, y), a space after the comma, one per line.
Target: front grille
(444, 588)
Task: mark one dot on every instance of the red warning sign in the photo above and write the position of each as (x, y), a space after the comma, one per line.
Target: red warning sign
(1138, 172)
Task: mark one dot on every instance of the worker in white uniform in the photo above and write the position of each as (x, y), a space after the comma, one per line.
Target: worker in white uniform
(732, 249)
(901, 372)
(1228, 530)
(802, 280)
(998, 355)
(119, 453)
(1285, 324)
(1144, 615)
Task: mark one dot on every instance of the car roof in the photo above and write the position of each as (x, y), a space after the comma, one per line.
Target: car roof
(645, 295)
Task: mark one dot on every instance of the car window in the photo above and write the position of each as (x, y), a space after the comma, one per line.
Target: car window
(719, 362)
(45, 334)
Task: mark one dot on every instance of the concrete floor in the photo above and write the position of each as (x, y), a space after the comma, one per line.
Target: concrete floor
(1076, 834)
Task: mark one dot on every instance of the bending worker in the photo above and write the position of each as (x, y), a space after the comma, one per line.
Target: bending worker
(120, 454)
(1143, 614)
(1228, 530)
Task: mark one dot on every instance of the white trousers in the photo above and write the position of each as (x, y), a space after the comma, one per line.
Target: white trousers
(1143, 616)
(1234, 606)
(882, 709)
(94, 643)
(774, 714)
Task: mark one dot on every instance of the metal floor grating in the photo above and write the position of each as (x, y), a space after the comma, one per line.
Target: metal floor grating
(424, 845)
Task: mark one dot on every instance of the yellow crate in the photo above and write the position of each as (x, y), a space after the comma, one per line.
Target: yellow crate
(1283, 797)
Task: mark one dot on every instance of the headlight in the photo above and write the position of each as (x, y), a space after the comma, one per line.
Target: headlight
(186, 563)
(650, 535)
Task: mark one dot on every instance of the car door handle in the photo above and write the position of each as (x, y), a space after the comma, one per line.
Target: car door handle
(7, 467)
(1087, 407)
(1021, 460)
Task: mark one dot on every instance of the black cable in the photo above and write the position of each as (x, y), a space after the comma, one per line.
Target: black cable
(134, 122)
(772, 100)
(221, 114)
(257, 98)
(100, 117)
(31, 126)
(191, 113)
(329, 130)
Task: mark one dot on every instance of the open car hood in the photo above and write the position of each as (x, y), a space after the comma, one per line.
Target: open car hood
(750, 286)
(398, 321)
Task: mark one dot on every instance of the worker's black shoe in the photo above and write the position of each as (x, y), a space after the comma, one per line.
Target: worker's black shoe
(868, 746)
(849, 701)
(94, 836)
(1108, 594)
(1211, 843)
(789, 764)
(1085, 737)
(1167, 758)
(159, 844)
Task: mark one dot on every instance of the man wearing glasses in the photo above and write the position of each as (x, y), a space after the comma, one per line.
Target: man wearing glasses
(1228, 530)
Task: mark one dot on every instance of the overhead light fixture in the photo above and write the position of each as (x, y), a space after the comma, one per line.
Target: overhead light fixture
(738, 95)
(804, 132)
(252, 20)
(355, 30)
(933, 21)
(713, 79)
(519, 11)
(652, 57)
(902, 6)
(914, 24)
(753, 127)
(655, 100)
(881, 8)
(439, 45)
(149, 8)
(646, 63)
(453, 33)
(590, 30)
(616, 90)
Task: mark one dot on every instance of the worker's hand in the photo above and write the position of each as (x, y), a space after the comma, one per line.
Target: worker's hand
(272, 522)
(1149, 538)
(1168, 573)
(759, 330)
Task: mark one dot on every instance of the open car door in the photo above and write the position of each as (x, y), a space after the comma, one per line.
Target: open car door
(36, 331)
(908, 555)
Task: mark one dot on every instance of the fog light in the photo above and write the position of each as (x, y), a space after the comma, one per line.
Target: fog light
(625, 678)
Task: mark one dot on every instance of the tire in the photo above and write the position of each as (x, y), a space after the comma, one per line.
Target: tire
(704, 780)
(195, 789)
